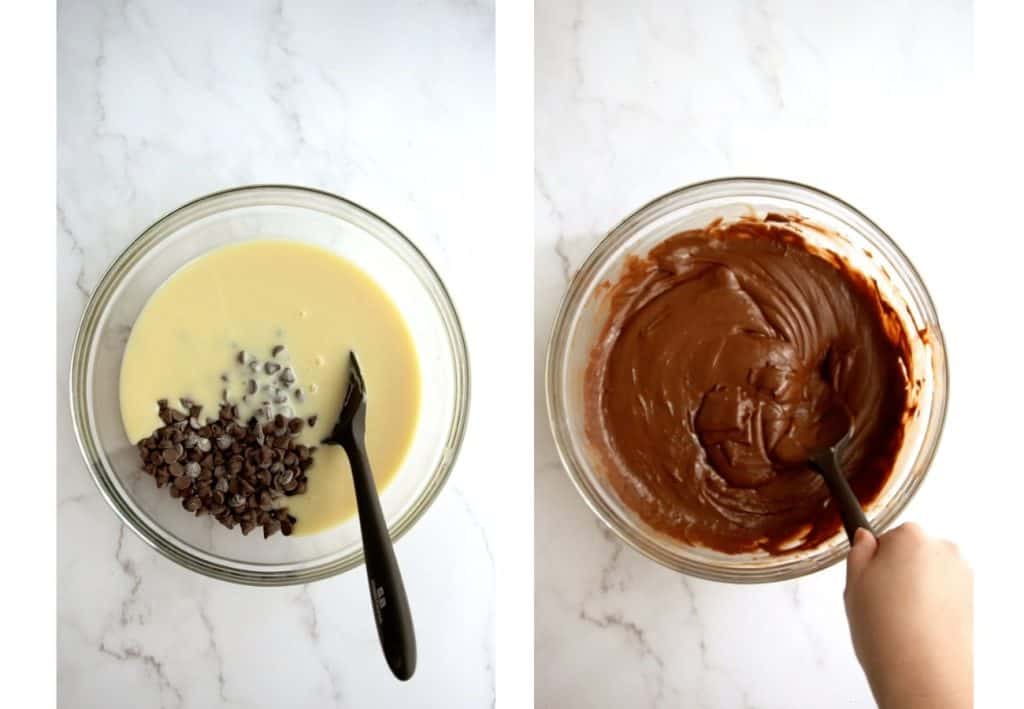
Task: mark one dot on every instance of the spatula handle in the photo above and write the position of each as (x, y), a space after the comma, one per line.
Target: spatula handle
(846, 502)
(387, 592)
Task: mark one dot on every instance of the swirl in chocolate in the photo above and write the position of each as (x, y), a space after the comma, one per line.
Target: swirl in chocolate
(729, 354)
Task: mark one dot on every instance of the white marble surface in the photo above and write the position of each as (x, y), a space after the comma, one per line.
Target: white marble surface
(866, 100)
(390, 104)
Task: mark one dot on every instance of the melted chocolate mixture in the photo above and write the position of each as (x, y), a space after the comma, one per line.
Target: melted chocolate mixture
(729, 354)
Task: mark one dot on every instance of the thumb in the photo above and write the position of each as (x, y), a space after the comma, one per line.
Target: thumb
(864, 547)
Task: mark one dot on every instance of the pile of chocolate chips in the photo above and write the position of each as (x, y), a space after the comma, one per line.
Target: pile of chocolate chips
(232, 470)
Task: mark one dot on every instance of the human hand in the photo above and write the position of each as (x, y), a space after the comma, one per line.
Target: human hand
(909, 603)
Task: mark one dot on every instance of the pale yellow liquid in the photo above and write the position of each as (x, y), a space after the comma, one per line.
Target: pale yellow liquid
(259, 294)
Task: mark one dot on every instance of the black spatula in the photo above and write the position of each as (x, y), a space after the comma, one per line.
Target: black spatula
(826, 459)
(387, 593)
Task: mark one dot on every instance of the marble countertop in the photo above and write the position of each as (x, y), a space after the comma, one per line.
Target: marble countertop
(389, 104)
(864, 100)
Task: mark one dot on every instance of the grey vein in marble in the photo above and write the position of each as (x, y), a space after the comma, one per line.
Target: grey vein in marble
(133, 653)
(305, 601)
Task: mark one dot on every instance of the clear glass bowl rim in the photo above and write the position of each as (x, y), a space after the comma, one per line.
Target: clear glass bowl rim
(256, 574)
(572, 301)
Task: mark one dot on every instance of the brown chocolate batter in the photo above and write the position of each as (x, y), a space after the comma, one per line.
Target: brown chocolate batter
(729, 353)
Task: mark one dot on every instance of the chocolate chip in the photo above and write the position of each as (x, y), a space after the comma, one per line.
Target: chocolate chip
(271, 367)
(192, 503)
(170, 455)
(242, 357)
(247, 526)
(311, 421)
(278, 349)
(254, 366)
(193, 469)
(251, 387)
(204, 445)
(295, 425)
(224, 441)
(264, 462)
(271, 527)
(287, 377)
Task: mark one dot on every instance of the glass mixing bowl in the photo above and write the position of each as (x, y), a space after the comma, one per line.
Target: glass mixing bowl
(237, 215)
(584, 312)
